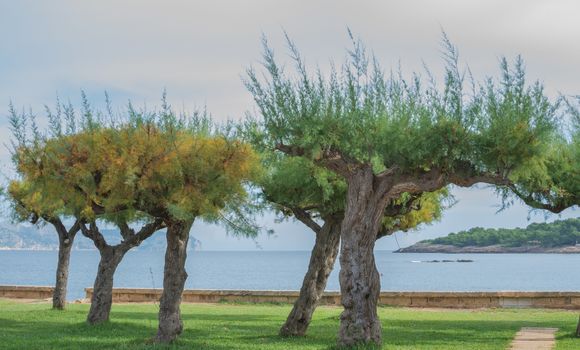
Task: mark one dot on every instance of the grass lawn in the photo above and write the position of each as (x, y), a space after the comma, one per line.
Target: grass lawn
(255, 326)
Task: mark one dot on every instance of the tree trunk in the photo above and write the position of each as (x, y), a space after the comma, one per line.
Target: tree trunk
(321, 263)
(174, 276)
(359, 278)
(578, 329)
(64, 248)
(102, 299)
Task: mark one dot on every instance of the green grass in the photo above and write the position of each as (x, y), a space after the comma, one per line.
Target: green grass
(255, 326)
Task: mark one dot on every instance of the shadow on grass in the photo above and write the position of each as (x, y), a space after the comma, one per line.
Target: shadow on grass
(193, 316)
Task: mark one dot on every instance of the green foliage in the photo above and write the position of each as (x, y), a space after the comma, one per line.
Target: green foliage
(502, 127)
(555, 234)
(298, 183)
(559, 187)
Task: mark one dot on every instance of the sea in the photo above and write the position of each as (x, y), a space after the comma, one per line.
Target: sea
(284, 270)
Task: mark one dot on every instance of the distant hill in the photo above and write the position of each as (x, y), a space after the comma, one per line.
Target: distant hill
(29, 237)
(561, 236)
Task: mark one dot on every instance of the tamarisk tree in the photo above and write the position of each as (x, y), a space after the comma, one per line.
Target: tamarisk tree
(387, 136)
(186, 169)
(298, 188)
(75, 172)
(33, 202)
(157, 169)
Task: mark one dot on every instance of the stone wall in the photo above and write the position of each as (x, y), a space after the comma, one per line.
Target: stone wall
(26, 292)
(468, 300)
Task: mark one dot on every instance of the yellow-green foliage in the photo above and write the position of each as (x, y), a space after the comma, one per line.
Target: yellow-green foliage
(134, 168)
(425, 209)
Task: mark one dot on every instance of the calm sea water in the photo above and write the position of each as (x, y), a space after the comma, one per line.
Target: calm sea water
(284, 271)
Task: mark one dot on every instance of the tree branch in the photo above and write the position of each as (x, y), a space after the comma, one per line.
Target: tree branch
(387, 231)
(304, 217)
(144, 233)
(338, 162)
(58, 225)
(126, 231)
(331, 159)
(75, 228)
(63, 233)
(395, 210)
(529, 200)
(94, 235)
(488, 178)
(435, 179)
(293, 151)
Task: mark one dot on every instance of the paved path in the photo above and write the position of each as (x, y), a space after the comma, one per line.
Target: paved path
(529, 338)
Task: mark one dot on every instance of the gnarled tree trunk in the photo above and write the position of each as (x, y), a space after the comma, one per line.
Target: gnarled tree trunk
(174, 276)
(111, 256)
(321, 264)
(102, 298)
(64, 248)
(359, 278)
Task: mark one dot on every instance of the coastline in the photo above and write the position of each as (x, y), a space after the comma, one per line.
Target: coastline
(494, 249)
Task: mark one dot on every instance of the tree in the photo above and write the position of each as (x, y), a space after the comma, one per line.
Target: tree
(295, 187)
(156, 168)
(30, 202)
(298, 188)
(187, 169)
(387, 136)
(76, 172)
(81, 171)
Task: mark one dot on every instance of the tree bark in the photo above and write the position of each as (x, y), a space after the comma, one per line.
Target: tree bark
(65, 243)
(64, 248)
(359, 278)
(102, 298)
(174, 276)
(321, 264)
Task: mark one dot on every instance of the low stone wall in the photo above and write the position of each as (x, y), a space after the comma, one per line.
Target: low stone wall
(26, 292)
(471, 300)
(468, 300)
(464, 300)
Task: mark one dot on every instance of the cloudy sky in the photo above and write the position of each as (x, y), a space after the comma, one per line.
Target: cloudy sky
(198, 50)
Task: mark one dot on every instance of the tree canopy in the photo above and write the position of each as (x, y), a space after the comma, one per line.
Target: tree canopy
(358, 114)
(151, 164)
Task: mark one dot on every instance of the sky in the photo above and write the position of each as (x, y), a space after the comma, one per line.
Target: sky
(198, 51)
